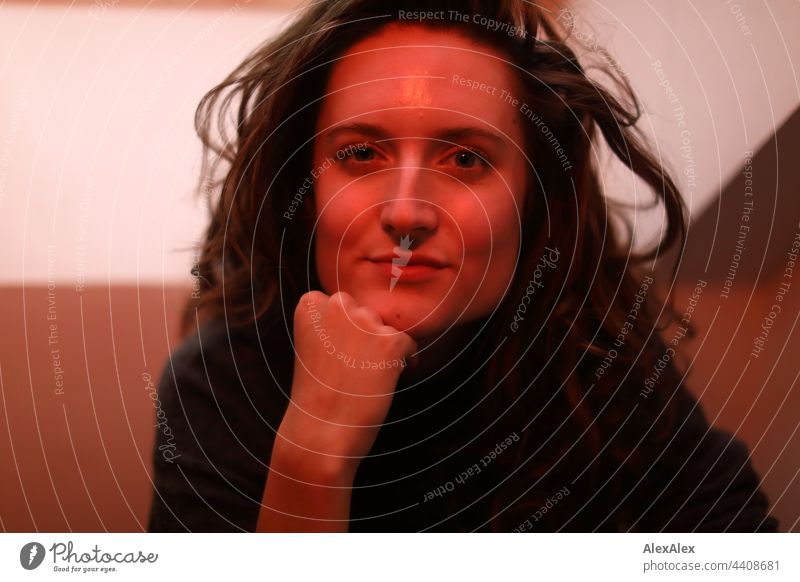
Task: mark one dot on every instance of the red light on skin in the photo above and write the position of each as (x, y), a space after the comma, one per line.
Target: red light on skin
(408, 274)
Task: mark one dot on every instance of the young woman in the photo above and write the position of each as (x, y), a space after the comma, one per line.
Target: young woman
(414, 313)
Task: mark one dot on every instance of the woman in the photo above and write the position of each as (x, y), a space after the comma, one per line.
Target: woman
(413, 313)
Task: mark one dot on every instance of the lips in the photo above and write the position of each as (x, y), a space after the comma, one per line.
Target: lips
(404, 267)
(403, 259)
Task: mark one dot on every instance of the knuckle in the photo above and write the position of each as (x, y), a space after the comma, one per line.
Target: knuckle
(342, 301)
(310, 298)
(409, 344)
(367, 315)
(342, 297)
(387, 330)
(308, 303)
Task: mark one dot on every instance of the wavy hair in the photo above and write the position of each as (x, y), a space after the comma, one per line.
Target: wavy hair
(253, 258)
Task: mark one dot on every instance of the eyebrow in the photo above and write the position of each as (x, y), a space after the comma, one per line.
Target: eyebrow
(452, 134)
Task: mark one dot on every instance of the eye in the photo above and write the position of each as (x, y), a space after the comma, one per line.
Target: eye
(358, 153)
(467, 159)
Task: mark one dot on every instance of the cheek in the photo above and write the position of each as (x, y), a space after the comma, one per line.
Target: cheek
(339, 201)
(491, 246)
(339, 221)
(491, 234)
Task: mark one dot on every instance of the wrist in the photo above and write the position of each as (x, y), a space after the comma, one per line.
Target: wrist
(313, 457)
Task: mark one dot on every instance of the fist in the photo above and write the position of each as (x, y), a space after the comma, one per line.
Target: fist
(347, 364)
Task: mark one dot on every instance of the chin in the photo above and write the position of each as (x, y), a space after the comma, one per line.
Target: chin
(405, 312)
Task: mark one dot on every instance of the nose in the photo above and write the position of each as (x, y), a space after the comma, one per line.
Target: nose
(407, 210)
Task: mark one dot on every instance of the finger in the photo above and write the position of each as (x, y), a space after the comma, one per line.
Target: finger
(387, 330)
(367, 315)
(319, 296)
(313, 298)
(408, 345)
(308, 304)
(344, 300)
(412, 353)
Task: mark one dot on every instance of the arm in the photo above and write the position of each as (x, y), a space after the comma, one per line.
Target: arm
(334, 415)
(304, 493)
(213, 435)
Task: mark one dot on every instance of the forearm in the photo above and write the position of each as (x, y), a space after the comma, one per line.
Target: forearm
(305, 492)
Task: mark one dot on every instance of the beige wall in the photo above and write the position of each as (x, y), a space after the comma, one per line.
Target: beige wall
(98, 157)
(76, 457)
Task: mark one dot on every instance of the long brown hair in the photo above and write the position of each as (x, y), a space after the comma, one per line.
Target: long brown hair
(255, 257)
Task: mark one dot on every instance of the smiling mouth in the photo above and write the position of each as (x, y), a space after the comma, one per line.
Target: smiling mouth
(409, 273)
(403, 265)
(407, 259)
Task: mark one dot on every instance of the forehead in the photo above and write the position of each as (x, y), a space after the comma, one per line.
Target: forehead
(418, 68)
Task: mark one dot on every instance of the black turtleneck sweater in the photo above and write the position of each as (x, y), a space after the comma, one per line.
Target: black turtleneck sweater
(223, 394)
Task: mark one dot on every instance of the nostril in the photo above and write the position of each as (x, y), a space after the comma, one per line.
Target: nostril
(405, 216)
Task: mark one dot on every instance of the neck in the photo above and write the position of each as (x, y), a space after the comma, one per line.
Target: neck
(439, 353)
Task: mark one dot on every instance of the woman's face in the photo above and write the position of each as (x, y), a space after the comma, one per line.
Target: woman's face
(419, 178)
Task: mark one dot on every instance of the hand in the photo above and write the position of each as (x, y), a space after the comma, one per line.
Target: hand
(347, 364)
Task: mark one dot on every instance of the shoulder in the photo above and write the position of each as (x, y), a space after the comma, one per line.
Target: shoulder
(220, 400)
(699, 478)
(226, 363)
(213, 347)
